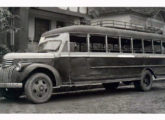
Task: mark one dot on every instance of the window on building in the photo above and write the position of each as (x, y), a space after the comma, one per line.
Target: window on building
(126, 45)
(148, 46)
(113, 44)
(97, 43)
(78, 43)
(64, 8)
(83, 10)
(157, 47)
(60, 24)
(137, 46)
(73, 9)
(163, 47)
(41, 26)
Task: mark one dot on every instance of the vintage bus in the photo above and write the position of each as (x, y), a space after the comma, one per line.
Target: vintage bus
(84, 55)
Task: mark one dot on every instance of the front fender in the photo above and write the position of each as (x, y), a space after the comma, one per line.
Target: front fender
(30, 68)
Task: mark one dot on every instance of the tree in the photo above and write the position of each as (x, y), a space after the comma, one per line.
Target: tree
(5, 19)
(5, 16)
(7, 24)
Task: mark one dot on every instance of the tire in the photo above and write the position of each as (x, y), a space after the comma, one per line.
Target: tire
(11, 93)
(38, 88)
(111, 86)
(145, 84)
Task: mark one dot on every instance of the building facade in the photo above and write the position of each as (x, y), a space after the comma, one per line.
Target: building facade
(32, 22)
(124, 17)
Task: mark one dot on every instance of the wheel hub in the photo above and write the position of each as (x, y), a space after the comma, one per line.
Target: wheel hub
(146, 81)
(40, 88)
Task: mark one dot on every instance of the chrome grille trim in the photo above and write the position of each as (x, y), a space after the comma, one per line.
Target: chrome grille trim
(6, 74)
(7, 63)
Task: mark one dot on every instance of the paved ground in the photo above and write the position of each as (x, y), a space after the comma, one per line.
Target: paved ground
(124, 100)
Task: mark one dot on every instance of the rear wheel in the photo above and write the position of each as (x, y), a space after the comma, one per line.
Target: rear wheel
(11, 93)
(38, 88)
(145, 83)
(111, 86)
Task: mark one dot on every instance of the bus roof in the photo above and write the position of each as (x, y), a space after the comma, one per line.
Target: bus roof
(104, 30)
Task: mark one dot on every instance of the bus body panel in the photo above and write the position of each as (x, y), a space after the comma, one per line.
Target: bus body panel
(101, 69)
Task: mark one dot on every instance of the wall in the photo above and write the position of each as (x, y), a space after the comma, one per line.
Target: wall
(53, 17)
(21, 37)
(50, 16)
(156, 21)
(122, 17)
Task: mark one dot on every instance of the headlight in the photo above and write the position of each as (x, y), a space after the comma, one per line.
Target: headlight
(18, 67)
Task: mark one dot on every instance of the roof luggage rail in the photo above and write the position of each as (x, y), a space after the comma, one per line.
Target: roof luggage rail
(127, 26)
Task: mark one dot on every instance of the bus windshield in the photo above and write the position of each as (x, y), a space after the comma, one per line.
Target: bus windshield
(52, 45)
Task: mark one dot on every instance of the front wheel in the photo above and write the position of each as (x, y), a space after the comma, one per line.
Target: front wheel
(11, 93)
(145, 83)
(38, 88)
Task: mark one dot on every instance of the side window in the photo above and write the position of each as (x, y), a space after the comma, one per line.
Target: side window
(148, 46)
(137, 46)
(163, 47)
(113, 44)
(126, 45)
(78, 43)
(157, 47)
(97, 43)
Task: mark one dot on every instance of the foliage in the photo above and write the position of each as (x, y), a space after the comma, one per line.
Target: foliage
(5, 16)
(3, 50)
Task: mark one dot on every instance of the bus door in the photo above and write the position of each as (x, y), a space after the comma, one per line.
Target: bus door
(79, 68)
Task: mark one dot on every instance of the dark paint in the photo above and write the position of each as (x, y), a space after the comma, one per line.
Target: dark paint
(73, 70)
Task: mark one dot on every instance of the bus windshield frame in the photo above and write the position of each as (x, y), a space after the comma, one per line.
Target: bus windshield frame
(50, 46)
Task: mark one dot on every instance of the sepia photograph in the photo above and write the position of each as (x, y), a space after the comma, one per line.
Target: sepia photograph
(82, 60)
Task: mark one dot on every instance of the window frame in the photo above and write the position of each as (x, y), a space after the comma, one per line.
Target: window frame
(129, 38)
(148, 52)
(117, 37)
(69, 41)
(100, 35)
(161, 51)
(142, 45)
(88, 35)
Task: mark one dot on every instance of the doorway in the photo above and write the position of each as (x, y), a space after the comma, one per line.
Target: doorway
(41, 26)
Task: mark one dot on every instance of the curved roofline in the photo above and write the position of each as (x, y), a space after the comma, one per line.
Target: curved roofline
(104, 30)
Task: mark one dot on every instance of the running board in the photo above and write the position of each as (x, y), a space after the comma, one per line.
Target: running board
(95, 83)
(159, 79)
(82, 85)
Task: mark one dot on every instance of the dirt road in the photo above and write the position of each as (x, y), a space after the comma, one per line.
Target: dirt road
(124, 100)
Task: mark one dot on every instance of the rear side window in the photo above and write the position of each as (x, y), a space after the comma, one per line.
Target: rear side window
(97, 43)
(126, 45)
(148, 46)
(137, 46)
(163, 47)
(157, 47)
(113, 44)
(78, 43)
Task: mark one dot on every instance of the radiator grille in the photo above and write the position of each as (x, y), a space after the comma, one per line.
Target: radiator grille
(7, 63)
(6, 74)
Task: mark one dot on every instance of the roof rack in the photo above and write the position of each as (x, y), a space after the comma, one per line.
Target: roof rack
(127, 26)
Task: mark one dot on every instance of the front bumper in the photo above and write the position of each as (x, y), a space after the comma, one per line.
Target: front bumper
(11, 85)
(9, 78)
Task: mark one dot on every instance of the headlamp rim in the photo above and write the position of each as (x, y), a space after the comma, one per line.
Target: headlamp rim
(18, 66)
